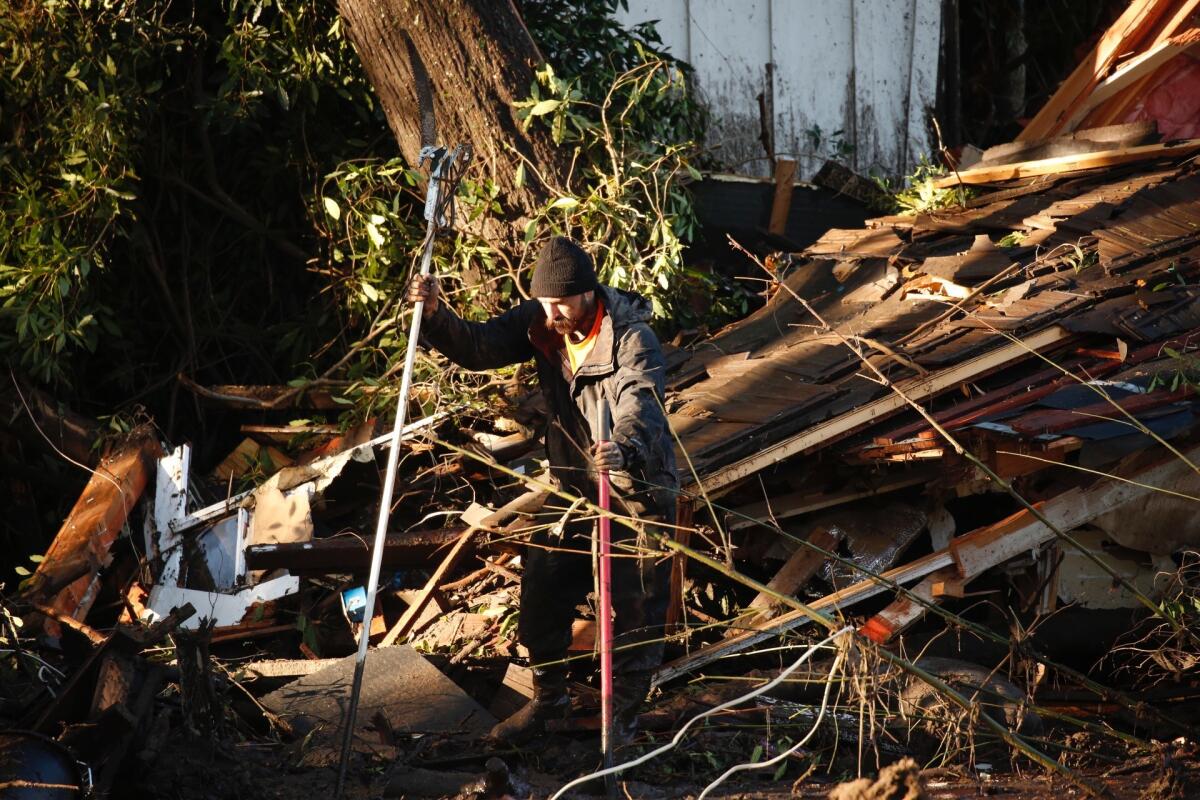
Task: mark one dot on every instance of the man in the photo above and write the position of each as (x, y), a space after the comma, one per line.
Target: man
(591, 345)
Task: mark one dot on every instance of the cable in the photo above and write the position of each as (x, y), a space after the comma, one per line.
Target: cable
(714, 710)
(771, 762)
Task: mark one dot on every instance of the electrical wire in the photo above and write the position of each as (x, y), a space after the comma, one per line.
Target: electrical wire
(710, 712)
(837, 662)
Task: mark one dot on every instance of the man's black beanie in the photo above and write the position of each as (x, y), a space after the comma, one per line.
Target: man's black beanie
(563, 269)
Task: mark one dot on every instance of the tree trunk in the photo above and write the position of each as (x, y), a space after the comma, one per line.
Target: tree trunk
(479, 59)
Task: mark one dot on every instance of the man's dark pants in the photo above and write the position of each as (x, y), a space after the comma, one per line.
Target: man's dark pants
(558, 577)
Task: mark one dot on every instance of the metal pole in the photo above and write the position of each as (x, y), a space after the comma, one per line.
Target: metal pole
(389, 485)
(605, 610)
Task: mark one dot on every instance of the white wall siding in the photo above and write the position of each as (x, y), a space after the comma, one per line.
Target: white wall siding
(861, 72)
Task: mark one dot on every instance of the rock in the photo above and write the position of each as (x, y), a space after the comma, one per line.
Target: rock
(898, 781)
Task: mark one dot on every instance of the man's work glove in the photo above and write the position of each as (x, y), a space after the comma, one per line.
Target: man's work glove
(424, 288)
(607, 456)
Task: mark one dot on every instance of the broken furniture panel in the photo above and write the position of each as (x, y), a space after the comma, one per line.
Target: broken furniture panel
(225, 610)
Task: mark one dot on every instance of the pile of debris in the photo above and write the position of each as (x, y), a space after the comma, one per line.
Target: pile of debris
(992, 401)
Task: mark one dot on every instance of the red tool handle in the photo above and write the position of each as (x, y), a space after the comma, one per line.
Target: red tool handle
(604, 550)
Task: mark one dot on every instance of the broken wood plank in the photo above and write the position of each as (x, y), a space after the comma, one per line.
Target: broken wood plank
(248, 455)
(1134, 71)
(435, 607)
(970, 554)
(349, 553)
(1057, 420)
(906, 610)
(287, 667)
(484, 518)
(1022, 532)
(83, 629)
(1117, 108)
(263, 396)
(408, 619)
(515, 691)
(798, 570)
(1121, 37)
(82, 544)
(915, 389)
(785, 184)
(1072, 163)
(794, 619)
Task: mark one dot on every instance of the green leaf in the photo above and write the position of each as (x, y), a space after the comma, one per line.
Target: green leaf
(519, 179)
(780, 771)
(22, 571)
(756, 755)
(370, 292)
(564, 203)
(332, 208)
(376, 237)
(530, 231)
(544, 107)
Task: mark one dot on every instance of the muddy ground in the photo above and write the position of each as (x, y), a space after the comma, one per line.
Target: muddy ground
(191, 768)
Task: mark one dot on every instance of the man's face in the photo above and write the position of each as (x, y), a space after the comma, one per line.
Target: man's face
(566, 315)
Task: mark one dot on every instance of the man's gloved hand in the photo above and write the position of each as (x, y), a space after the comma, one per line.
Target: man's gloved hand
(607, 456)
(424, 287)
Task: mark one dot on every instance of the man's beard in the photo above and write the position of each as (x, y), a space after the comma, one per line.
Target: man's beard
(563, 327)
(572, 324)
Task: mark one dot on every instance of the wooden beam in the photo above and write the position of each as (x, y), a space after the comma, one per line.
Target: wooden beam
(685, 512)
(785, 184)
(917, 389)
(1023, 532)
(1124, 35)
(1072, 163)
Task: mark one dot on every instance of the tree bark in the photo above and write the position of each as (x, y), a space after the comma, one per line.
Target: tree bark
(479, 59)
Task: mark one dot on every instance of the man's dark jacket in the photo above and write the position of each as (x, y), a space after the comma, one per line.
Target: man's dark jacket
(625, 367)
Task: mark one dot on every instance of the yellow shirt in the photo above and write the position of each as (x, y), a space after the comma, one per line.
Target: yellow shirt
(578, 353)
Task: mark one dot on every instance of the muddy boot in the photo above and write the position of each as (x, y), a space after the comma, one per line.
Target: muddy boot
(629, 690)
(550, 701)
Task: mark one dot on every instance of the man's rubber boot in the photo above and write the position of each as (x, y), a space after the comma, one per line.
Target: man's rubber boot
(550, 701)
(629, 690)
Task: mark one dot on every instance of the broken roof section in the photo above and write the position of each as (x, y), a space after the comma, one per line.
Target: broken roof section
(1047, 327)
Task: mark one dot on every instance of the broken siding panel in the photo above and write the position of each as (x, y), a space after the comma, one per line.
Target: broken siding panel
(813, 86)
(730, 48)
(867, 68)
(923, 81)
(883, 32)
